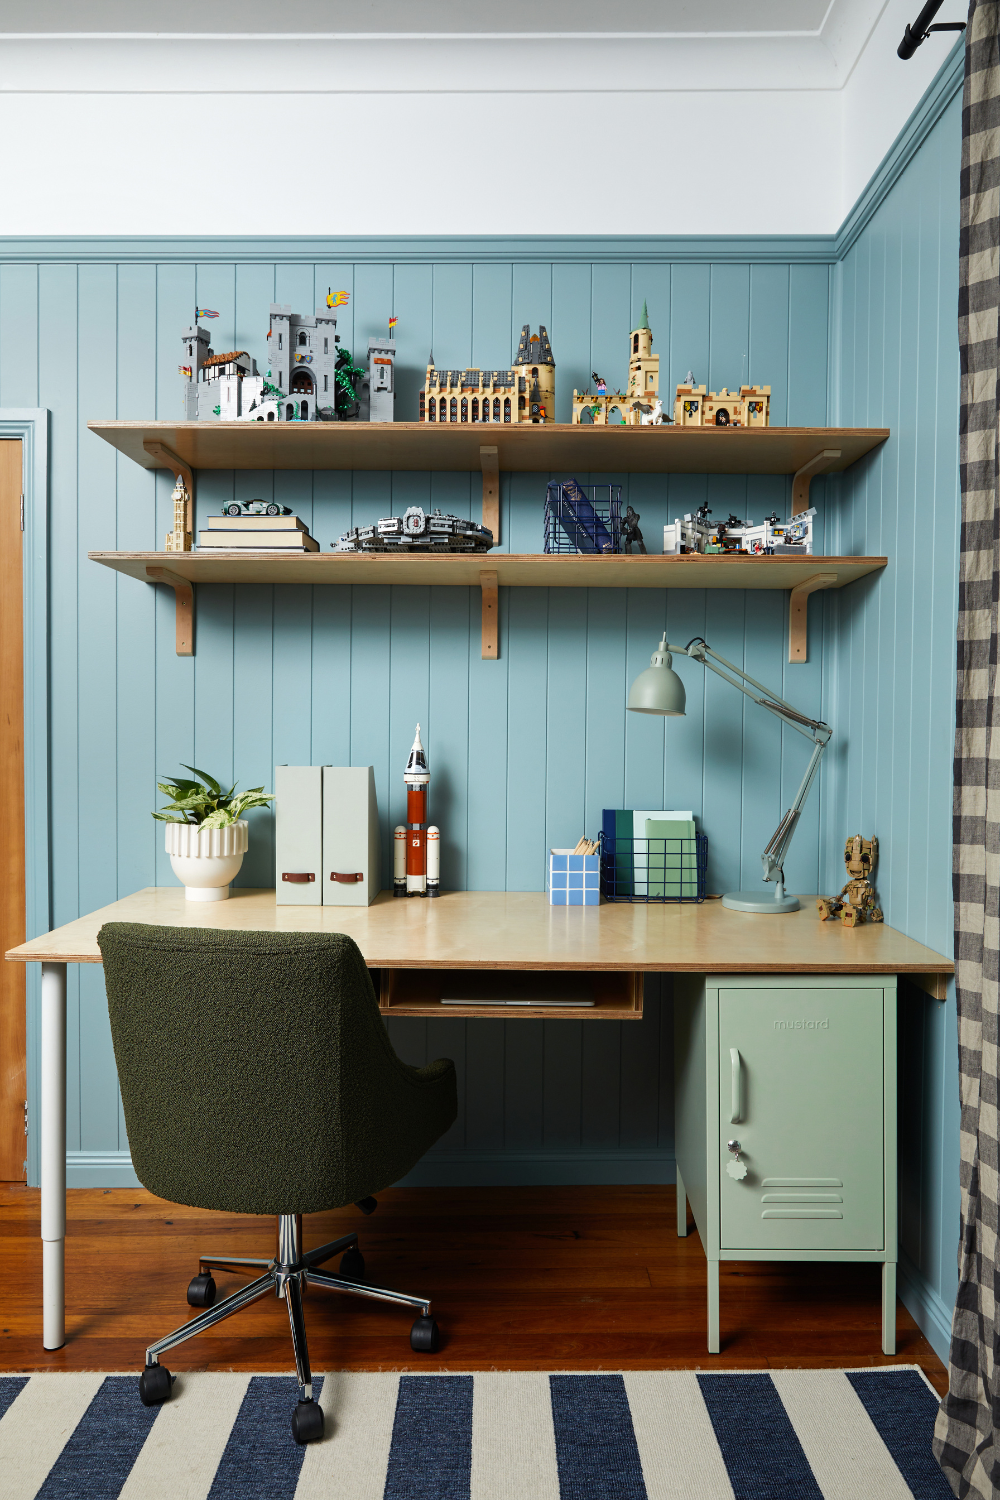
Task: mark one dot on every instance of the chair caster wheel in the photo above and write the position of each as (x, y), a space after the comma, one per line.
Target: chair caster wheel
(352, 1264)
(155, 1383)
(425, 1336)
(201, 1290)
(307, 1422)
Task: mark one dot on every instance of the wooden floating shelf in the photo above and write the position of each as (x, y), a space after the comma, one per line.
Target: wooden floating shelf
(801, 576)
(803, 452)
(513, 570)
(518, 448)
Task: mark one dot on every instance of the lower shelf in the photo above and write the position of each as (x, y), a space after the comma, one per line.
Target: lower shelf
(513, 994)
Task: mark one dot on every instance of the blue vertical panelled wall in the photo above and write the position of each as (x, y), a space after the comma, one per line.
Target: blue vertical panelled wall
(890, 654)
(524, 751)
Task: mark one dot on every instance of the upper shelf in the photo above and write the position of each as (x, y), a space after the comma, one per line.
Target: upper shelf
(561, 446)
(538, 570)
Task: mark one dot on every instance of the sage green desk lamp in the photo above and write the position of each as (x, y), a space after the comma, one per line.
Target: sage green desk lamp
(659, 690)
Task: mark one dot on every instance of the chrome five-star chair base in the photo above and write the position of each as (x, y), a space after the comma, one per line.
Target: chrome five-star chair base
(283, 1276)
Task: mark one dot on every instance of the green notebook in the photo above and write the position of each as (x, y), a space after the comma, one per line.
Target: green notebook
(673, 866)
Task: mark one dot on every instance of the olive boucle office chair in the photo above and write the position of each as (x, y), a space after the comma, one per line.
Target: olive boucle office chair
(257, 1078)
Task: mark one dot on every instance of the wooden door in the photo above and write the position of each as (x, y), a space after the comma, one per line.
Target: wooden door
(12, 930)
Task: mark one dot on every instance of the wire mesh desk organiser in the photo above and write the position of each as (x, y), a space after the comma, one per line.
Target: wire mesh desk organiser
(583, 517)
(653, 869)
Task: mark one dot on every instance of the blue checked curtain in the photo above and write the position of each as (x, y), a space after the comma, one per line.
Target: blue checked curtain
(966, 1432)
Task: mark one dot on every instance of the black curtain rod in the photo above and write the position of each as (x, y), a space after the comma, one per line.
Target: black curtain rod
(921, 29)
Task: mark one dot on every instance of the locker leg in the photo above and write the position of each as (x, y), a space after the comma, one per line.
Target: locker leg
(682, 1207)
(889, 1307)
(713, 1307)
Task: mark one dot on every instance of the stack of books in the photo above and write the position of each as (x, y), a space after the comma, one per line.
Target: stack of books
(257, 534)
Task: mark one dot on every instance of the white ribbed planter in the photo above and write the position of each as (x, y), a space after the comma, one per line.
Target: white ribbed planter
(205, 860)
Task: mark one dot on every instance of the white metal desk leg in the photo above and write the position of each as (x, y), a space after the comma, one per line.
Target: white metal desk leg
(53, 1154)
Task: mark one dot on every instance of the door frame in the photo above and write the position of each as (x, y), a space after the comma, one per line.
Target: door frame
(31, 426)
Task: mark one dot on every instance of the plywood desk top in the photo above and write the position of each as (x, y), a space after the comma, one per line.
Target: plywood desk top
(519, 930)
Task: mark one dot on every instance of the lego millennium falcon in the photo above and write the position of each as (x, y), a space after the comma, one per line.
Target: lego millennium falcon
(417, 531)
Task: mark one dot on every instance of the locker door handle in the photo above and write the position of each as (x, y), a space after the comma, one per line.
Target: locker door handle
(737, 1113)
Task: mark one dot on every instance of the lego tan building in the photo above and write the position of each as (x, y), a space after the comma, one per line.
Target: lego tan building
(179, 540)
(641, 392)
(750, 406)
(524, 393)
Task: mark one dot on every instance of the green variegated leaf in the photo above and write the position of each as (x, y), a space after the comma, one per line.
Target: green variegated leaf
(205, 803)
(209, 781)
(221, 818)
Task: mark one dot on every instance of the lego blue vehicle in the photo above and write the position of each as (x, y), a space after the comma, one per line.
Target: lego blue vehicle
(255, 508)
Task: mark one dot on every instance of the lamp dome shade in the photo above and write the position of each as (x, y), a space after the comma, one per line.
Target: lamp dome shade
(658, 690)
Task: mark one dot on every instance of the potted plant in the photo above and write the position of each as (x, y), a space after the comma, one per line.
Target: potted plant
(206, 835)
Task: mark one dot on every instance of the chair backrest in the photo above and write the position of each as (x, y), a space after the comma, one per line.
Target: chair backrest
(256, 1074)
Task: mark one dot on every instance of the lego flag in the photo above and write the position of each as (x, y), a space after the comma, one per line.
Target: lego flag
(204, 312)
(392, 323)
(184, 370)
(340, 300)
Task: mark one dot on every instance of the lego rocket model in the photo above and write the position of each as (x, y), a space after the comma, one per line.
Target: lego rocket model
(416, 848)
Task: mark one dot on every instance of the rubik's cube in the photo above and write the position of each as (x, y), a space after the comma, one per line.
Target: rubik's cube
(574, 879)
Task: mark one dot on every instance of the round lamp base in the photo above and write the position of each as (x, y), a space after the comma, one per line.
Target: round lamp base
(759, 902)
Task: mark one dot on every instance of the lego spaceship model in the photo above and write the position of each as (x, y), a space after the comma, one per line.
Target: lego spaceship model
(416, 849)
(415, 531)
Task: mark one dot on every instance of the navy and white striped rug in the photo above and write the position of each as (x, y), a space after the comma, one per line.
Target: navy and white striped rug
(641, 1435)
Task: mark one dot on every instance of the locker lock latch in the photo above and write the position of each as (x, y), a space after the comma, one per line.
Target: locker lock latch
(737, 1169)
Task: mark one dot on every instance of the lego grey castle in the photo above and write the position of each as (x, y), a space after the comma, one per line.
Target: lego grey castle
(300, 383)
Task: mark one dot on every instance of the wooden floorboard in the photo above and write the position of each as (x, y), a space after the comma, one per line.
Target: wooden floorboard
(521, 1279)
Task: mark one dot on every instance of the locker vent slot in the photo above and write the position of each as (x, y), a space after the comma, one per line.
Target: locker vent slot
(802, 1213)
(802, 1182)
(801, 1197)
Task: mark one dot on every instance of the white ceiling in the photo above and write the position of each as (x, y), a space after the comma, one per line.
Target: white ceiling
(690, 117)
(371, 46)
(384, 17)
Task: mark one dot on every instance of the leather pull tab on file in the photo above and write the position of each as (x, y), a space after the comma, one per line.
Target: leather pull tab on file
(346, 879)
(298, 879)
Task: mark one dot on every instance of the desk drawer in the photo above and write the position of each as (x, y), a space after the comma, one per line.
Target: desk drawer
(582, 994)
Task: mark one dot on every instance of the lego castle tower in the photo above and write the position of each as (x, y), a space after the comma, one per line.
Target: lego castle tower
(196, 350)
(643, 364)
(302, 355)
(381, 385)
(534, 362)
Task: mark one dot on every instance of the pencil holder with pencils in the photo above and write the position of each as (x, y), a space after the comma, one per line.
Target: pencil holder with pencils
(575, 876)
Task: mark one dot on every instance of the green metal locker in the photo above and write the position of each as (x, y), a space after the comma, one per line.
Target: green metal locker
(786, 1121)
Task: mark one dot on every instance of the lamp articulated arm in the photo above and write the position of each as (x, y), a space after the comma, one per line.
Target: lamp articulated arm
(773, 858)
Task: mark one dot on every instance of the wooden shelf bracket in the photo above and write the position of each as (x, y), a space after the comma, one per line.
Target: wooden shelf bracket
(491, 492)
(798, 638)
(168, 459)
(183, 607)
(803, 477)
(488, 584)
